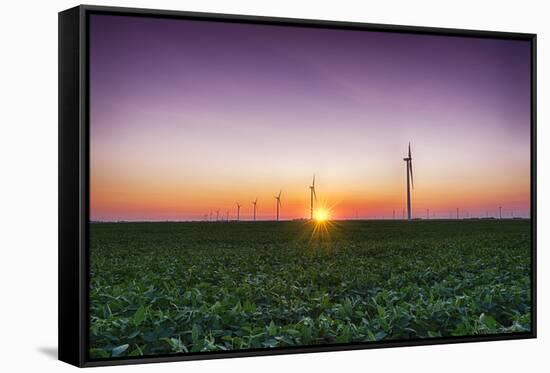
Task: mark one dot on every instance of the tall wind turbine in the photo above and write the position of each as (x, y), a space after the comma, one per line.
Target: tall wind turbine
(312, 194)
(278, 198)
(217, 214)
(238, 211)
(255, 203)
(410, 182)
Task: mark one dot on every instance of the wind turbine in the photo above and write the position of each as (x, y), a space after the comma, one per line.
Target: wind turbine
(278, 198)
(410, 182)
(255, 203)
(227, 216)
(238, 211)
(311, 195)
(500, 212)
(217, 214)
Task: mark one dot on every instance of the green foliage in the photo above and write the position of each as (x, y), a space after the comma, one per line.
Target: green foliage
(119, 350)
(160, 288)
(139, 316)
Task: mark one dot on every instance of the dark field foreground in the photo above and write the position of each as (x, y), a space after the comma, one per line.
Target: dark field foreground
(159, 288)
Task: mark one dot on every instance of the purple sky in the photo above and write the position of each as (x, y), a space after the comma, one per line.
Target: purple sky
(194, 111)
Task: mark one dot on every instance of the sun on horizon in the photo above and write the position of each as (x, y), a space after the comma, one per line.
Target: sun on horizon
(321, 215)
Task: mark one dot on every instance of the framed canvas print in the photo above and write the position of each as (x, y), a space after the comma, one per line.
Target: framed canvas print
(238, 186)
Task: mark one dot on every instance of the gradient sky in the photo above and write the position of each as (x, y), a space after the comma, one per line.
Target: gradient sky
(187, 117)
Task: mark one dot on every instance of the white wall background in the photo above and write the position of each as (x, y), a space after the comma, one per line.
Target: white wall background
(28, 184)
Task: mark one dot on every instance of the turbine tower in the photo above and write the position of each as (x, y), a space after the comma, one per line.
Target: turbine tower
(254, 203)
(238, 211)
(410, 182)
(217, 214)
(312, 194)
(278, 198)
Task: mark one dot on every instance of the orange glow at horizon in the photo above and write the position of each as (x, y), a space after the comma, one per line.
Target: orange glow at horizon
(137, 179)
(119, 197)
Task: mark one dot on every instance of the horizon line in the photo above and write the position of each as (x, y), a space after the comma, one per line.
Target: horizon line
(308, 220)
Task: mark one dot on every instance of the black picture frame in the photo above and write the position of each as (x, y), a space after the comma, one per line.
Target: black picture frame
(74, 187)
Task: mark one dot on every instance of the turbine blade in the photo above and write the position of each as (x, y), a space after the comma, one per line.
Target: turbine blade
(313, 180)
(314, 194)
(409, 150)
(411, 170)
